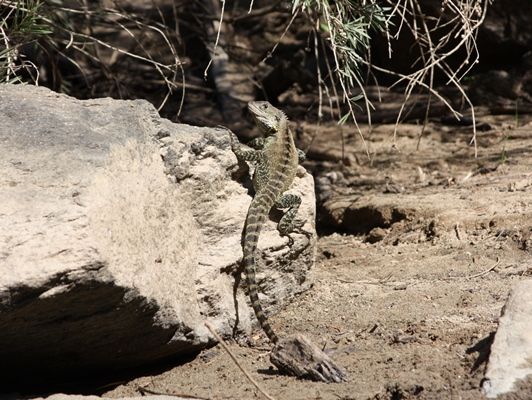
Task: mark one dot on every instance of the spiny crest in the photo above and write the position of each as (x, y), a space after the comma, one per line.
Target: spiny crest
(268, 118)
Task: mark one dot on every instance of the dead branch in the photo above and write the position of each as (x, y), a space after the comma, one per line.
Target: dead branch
(226, 348)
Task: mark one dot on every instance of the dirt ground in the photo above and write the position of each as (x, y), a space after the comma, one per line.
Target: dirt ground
(407, 306)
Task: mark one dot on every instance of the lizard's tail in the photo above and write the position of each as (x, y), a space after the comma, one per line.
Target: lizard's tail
(258, 210)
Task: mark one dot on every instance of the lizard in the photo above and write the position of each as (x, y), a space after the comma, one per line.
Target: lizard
(276, 159)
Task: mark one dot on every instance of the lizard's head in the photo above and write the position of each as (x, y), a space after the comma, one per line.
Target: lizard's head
(269, 119)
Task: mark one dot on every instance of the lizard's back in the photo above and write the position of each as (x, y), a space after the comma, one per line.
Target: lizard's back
(278, 168)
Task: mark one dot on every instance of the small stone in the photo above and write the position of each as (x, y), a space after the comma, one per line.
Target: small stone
(399, 286)
(376, 235)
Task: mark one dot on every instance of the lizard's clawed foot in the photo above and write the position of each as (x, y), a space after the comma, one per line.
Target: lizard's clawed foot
(290, 240)
(298, 227)
(294, 227)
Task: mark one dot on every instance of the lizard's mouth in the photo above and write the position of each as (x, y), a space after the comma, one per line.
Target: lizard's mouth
(261, 112)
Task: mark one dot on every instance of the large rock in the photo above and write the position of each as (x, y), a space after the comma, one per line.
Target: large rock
(120, 235)
(510, 359)
(61, 396)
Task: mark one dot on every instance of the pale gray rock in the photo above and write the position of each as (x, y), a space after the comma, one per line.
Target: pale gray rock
(120, 235)
(511, 352)
(62, 396)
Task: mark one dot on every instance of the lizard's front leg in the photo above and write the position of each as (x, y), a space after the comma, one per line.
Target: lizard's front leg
(301, 156)
(292, 202)
(241, 154)
(257, 143)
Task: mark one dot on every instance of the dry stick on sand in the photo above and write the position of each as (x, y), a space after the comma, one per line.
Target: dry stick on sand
(178, 395)
(226, 348)
(479, 274)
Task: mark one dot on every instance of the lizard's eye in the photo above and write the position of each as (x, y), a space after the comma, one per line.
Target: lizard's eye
(264, 106)
(277, 118)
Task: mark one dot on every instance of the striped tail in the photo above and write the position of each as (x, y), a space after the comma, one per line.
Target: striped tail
(258, 210)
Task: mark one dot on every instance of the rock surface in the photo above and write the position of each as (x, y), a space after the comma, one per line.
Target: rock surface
(511, 352)
(61, 396)
(120, 235)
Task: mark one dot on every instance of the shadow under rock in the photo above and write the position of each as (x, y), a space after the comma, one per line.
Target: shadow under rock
(483, 348)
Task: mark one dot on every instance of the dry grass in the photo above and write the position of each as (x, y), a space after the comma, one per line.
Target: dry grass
(342, 32)
(80, 35)
(345, 28)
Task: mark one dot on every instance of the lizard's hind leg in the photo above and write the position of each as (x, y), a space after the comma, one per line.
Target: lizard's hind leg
(292, 202)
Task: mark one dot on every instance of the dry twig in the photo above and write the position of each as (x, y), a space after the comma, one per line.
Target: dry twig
(226, 348)
(482, 273)
(143, 390)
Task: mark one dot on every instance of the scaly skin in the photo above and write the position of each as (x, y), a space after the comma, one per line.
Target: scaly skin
(276, 160)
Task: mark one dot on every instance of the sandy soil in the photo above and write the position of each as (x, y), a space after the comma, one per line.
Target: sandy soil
(410, 316)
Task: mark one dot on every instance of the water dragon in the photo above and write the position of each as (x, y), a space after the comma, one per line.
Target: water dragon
(276, 159)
